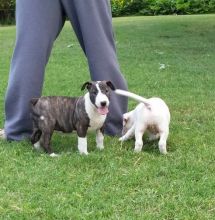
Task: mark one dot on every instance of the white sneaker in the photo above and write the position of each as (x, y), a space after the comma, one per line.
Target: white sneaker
(2, 135)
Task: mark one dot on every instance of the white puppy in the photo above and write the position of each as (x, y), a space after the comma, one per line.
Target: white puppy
(151, 115)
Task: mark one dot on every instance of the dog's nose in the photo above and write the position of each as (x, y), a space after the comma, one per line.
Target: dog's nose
(103, 104)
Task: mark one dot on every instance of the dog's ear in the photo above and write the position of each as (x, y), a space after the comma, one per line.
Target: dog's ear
(110, 84)
(125, 119)
(86, 84)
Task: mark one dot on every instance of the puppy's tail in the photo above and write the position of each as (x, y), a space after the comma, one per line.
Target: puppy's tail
(35, 137)
(34, 101)
(133, 96)
(34, 114)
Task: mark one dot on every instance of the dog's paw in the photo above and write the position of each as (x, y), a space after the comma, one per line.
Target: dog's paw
(54, 155)
(164, 152)
(37, 146)
(122, 139)
(84, 153)
(137, 150)
(100, 147)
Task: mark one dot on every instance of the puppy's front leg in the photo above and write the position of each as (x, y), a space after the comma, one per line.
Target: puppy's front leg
(82, 139)
(82, 145)
(129, 134)
(100, 139)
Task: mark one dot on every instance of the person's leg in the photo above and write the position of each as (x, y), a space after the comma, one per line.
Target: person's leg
(92, 22)
(38, 23)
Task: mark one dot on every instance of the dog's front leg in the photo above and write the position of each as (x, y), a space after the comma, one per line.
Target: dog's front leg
(82, 139)
(82, 145)
(129, 134)
(100, 139)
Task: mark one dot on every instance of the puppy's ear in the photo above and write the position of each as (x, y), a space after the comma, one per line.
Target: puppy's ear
(86, 84)
(125, 119)
(110, 84)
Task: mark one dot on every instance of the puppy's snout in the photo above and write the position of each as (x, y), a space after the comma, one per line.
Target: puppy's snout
(103, 104)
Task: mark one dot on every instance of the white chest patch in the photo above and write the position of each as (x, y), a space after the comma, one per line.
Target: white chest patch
(96, 123)
(96, 119)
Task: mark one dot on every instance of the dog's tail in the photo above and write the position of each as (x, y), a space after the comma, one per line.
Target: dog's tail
(34, 114)
(34, 101)
(133, 96)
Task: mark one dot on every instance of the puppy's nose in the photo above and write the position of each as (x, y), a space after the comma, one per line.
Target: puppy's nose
(103, 104)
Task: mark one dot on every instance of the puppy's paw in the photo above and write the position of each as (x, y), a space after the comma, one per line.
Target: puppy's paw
(84, 153)
(164, 152)
(54, 155)
(122, 139)
(100, 147)
(137, 150)
(37, 146)
(162, 148)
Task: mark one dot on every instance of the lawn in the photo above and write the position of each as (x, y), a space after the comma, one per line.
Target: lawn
(117, 183)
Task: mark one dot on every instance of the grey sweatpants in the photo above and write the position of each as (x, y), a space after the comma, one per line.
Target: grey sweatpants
(38, 24)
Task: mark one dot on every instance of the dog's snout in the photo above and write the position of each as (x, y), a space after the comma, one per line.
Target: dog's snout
(103, 104)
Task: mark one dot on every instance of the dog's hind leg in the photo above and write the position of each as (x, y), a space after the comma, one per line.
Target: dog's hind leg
(139, 131)
(128, 135)
(35, 137)
(37, 146)
(36, 134)
(162, 142)
(45, 142)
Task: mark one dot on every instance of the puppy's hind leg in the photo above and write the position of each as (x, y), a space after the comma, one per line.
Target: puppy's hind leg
(139, 139)
(45, 143)
(35, 137)
(128, 135)
(162, 142)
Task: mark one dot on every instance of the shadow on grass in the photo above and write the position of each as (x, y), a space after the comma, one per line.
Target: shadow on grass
(68, 143)
(150, 147)
(64, 144)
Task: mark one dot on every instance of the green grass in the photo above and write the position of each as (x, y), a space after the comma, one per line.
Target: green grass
(117, 183)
